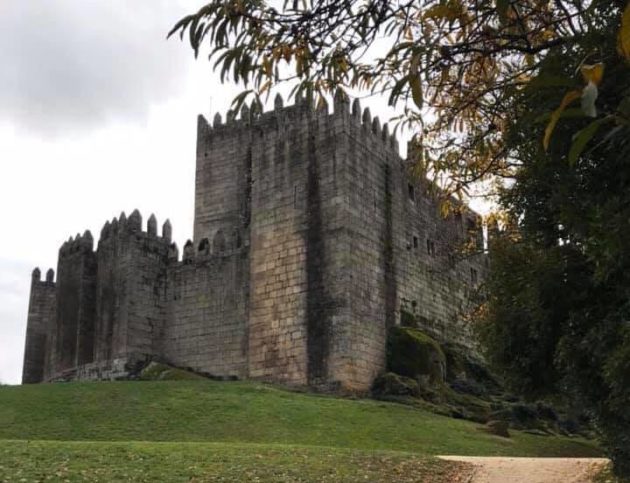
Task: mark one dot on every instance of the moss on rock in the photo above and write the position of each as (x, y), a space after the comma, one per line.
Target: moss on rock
(412, 353)
(156, 371)
(390, 384)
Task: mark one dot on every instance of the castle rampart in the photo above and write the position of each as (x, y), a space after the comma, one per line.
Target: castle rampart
(310, 240)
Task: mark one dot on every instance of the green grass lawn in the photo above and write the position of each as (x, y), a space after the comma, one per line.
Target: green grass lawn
(156, 462)
(215, 430)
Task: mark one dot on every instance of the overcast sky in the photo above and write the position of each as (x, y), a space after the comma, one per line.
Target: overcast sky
(97, 115)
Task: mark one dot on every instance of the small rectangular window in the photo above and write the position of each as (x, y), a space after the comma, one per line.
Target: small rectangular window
(473, 275)
(412, 192)
(430, 247)
(415, 242)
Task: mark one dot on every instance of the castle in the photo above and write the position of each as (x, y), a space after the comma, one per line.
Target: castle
(310, 240)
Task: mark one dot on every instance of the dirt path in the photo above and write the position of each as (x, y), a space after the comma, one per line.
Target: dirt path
(530, 470)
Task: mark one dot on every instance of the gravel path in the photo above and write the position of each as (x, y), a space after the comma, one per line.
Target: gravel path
(530, 470)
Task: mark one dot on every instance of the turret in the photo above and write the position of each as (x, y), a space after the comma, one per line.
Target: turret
(204, 246)
(86, 241)
(189, 252)
(173, 252)
(278, 103)
(105, 231)
(341, 101)
(152, 226)
(135, 221)
(376, 126)
(385, 134)
(167, 231)
(367, 118)
(245, 116)
(36, 275)
(356, 109)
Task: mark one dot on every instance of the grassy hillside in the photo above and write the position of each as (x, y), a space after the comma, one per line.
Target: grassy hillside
(242, 426)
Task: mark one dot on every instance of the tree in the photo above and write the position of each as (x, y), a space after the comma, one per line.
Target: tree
(453, 67)
(490, 89)
(558, 315)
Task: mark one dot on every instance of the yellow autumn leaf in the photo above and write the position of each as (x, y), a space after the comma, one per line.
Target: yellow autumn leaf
(449, 12)
(623, 38)
(343, 65)
(592, 73)
(267, 66)
(265, 87)
(569, 97)
(414, 81)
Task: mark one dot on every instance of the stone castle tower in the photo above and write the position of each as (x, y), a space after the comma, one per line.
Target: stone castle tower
(310, 240)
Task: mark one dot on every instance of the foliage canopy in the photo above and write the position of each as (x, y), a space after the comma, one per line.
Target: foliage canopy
(558, 314)
(452, 67)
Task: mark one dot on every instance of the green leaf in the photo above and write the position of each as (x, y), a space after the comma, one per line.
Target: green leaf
(414, 80)
(397, 90)
(581, 139)
(181, 25)
(416, 91)
(568, 98)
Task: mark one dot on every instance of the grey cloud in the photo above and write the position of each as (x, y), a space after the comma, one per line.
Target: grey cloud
(74, 64)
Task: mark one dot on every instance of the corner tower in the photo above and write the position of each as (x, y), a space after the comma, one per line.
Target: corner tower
(41, 315)
(222, 177)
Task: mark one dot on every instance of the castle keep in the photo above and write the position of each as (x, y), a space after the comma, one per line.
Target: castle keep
(310, 240)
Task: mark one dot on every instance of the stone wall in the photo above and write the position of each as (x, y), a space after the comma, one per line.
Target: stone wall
(278, 302)
(407, 257)
(439, 261)
(72, 341)
(206, 298)
(277, 334)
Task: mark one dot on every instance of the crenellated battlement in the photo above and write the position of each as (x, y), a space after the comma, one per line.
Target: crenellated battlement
(123, 226)
(364, 119)
(205, 251)
(251, 118)
(36, 277)
(79, 244)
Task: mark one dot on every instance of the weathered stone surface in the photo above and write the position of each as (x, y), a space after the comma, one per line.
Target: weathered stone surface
(310, 241)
